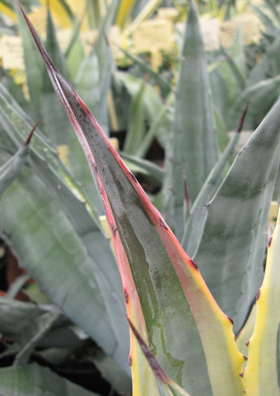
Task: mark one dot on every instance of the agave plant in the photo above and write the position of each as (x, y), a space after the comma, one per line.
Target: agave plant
(187, 339)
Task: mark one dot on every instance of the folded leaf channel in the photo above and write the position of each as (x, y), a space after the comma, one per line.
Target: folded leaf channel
(173, 309)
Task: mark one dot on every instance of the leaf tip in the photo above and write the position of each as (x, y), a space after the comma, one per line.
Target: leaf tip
(27, 142)
(242, 118)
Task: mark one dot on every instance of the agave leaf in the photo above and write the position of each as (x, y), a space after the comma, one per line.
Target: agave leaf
(15, 316)
(16, 91)
(276, 192)
(87, 81)
(146, 248)
(136, 122)
(166, 386)
(34, 332)
(75, 57)
(196, 219)
(10, 170)
(265, 343)
(28, 209)
(273, 10)
(152, 104)
(262, 95)
(269, 65)
(233, 90)
(148, 168)
(101, 43)
(240, 79)
(269, 24)
(219, 96)
(155, 76)
(222, 134)
(124, 12)
(56, 127)
(33, 63)
(232, 248)
(30, 379)
(193, 147)
(151, 133)
(145, 12)
(75, 34)
(56, 124)
(63, 187)
(106, 75)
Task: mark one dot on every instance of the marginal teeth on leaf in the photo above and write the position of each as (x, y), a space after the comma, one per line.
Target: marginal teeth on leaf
(194, 265)
(125, 296)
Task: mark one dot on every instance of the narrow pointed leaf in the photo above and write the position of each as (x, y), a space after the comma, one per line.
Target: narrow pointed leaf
(51, 251)
(15, 315)
(152, 104)
(193, 147)
(235, 70)
(87, 81)
(262, 95)
(151, 133)
(142, 166)
(10, 170)
(196, 219)
(264, 346)
(105, 77)
(155, 76)
(136, 122)
(33, 333)
(56, 126)
(269, 24)
(232, 248)
(269, 64)
(74, 204)
(33, 63)
(146, 249)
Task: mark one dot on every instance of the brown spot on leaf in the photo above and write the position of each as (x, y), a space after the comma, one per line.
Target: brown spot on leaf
(194, 265)
(125, 295)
